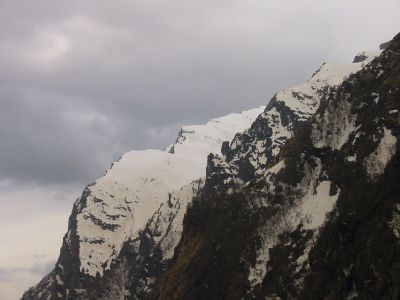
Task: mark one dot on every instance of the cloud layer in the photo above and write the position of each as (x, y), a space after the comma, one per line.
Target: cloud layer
(82, 82)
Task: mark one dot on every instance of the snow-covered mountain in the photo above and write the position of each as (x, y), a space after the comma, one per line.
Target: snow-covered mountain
(120, 203)
(317, 218)
(255, 195)
(116, 206)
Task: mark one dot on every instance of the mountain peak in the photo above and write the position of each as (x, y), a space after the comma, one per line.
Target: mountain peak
(256, 195)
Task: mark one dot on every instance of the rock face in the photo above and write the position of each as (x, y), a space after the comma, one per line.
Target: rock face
(319, 220)
(302, 203)
(115, 209)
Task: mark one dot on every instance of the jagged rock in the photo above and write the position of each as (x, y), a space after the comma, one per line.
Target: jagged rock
(302, 204)
(383, 46)
(320, 221)
(114, 210)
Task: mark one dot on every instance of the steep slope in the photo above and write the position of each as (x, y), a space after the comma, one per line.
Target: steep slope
(115, 207)
(253, 150)
(124, 229)
(137, 270)
(143, 260)
(317, 219)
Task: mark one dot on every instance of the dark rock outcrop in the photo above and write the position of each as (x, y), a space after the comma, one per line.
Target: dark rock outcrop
(302, 205)
(324, 226)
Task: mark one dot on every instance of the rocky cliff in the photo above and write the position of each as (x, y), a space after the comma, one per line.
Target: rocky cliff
(319, 220)
(301, 202)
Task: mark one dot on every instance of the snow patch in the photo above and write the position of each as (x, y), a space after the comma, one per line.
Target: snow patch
(375, 97)
(172, 217)
(310, 211)
(277, 167)
(314, 207)
(303, 99)
(376, 162)
(334, 127)
(394, 224)
(351, 158)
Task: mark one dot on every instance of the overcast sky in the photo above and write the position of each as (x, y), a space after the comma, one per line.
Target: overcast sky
(81, 82)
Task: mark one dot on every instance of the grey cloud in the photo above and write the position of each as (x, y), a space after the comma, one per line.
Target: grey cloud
(6, 276)
(41, 268)
(39, 256)
(38, 268)
(82, 82)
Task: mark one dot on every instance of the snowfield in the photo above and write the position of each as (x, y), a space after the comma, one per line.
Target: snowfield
(120, 203)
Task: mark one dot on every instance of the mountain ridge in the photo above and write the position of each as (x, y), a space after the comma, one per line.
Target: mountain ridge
(113, 208)
(322, 225)
(253, 157)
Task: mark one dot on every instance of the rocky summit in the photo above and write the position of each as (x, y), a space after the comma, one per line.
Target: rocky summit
(296, 200)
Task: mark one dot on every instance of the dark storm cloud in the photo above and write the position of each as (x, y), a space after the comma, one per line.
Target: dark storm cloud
(83, 81)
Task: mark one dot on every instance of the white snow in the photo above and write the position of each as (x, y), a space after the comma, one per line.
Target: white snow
(170, 218)
(310, 211)
(303, 99)
(335, 126)
(376, 162)
(394, 224)
(375, 97)
(200, 140)
(120, 203)
(314, 207)
(351, 158)
(334, 130)
(277, 167)
(269, 236)
(279, 132)
(132, 190)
